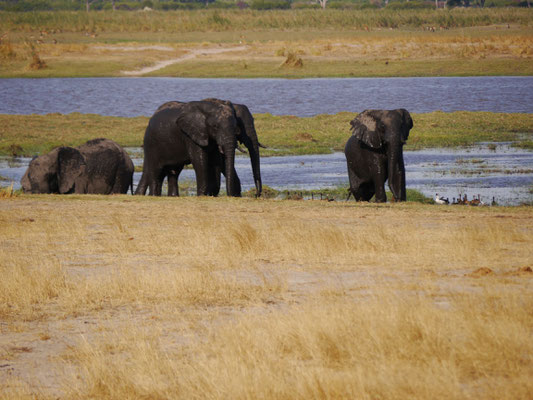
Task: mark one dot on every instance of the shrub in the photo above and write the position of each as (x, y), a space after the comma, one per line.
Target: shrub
(302, 6)
(411, 5)
(270, 5)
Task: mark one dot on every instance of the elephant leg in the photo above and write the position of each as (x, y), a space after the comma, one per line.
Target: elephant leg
(215, 170)
(360, 189)
(156, 183)
(236, 184)
(381, 196)
(142, 186)
(366, 191)
(200, 164)
(173, 175)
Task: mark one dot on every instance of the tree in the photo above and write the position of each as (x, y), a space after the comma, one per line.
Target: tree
(323, 3)
(88, 4)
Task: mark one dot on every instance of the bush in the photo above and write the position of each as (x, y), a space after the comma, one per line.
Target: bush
(270, 5)
(410, 5)
(342, 5)
(180, 6)
(302, 6)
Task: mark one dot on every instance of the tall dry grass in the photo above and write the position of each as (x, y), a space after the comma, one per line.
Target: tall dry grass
(388, 347)
(235, 20)
(127, 297)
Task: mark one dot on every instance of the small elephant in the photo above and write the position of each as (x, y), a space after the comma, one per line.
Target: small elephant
(374, 153)
(99, 166)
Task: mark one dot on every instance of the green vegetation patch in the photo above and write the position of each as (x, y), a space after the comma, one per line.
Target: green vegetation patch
(339, 193)
(283, 135)
(36, 134)
(322, 68)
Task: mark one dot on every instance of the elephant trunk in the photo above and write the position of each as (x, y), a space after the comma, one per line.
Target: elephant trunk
(396, 173)
(253, 150)
(231, 175)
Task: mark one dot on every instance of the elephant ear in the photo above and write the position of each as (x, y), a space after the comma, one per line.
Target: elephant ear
(193, 124)
(71, 165)
(407, 124)
(368, 130)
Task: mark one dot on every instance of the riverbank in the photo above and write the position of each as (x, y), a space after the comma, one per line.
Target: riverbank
(251, 44)
(26, 135)
(105, 300)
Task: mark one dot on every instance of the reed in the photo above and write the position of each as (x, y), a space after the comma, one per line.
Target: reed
(238, 20)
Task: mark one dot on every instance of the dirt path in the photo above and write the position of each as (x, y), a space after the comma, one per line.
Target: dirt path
(193, 54)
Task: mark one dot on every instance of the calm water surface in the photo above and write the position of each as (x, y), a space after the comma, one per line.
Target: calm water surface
(506, 173)
(130, 97)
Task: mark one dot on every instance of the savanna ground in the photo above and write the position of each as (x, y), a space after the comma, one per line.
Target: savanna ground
(290, 43)
(121, 297)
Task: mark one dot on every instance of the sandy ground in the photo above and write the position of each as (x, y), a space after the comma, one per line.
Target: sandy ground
(191, 55)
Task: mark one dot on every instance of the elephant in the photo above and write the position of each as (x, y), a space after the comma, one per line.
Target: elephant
(171, 142)
(374, 153)
(99, 166)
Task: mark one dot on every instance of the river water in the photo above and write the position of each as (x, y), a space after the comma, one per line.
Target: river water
(129, 97)
(505, 173)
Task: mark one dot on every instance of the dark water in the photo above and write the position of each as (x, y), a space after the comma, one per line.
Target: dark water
(506, 173)
(129, 97)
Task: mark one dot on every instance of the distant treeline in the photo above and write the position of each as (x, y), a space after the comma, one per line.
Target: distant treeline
(132, 5)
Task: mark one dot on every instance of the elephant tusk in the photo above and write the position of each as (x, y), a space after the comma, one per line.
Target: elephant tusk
(261, 145)
(239, 148)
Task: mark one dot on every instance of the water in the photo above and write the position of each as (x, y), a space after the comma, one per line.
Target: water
(506, 173)
(130, 97)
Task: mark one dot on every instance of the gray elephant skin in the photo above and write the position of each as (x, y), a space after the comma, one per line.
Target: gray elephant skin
(202, 133)
(99, 166)
(374, 153)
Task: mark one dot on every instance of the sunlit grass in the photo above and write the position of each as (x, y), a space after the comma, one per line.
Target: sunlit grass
(130, 297)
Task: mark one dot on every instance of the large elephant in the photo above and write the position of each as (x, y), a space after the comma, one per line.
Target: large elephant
(189, 133)
(99, 166)
(374, 153)
(169, 144)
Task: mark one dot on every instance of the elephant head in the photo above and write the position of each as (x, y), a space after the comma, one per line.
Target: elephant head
(60, 171)
(208, 123)
(386, 131)
(248, 137)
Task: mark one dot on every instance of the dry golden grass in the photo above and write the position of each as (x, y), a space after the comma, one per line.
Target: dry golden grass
(323, 53)
(121, 297)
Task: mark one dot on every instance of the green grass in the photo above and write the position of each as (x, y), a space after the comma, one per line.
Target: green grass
(283, 135)
(339, 193)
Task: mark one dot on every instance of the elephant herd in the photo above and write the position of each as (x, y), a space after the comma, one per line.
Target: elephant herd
(206, 134)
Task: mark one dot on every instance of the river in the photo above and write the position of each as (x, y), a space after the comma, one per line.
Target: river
(129, 97)
(504, 173)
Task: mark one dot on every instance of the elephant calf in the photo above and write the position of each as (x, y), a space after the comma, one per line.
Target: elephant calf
(374, 153)
(99, 166)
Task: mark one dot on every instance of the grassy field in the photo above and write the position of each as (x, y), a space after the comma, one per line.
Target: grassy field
(284, 135)
(331, 43)
(263, 299)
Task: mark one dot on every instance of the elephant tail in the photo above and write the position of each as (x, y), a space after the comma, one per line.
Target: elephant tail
(349, 194)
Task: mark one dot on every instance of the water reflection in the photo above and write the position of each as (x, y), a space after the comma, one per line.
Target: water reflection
(505, 173)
